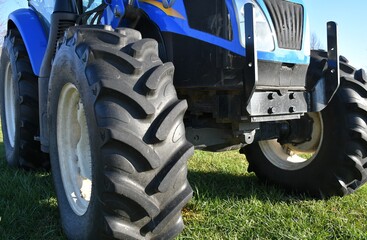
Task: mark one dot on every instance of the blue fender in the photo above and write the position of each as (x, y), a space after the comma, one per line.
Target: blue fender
(33, 34)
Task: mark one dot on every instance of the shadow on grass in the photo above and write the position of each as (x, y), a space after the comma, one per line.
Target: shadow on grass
(218, 185)
(28, 208)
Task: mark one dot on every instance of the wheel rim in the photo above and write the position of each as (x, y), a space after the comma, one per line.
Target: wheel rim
(10, 104)
(74, 149)
(294, 157)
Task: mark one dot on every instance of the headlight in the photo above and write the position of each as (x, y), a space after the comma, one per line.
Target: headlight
(264, 35)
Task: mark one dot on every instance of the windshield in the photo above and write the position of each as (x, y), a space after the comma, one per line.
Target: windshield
(46, 7)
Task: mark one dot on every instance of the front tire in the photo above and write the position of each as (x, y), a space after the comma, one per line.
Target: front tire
(334, 162)
(117, 139)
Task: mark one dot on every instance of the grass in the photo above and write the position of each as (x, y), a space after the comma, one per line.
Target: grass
(228, 203)
(28, 206)
(231, 204)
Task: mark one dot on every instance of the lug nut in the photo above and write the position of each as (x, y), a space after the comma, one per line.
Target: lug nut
(271, 96)
(271, 110)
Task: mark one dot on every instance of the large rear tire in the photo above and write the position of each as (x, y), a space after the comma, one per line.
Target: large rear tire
(117, 139)
(19, 105)
(334, 161)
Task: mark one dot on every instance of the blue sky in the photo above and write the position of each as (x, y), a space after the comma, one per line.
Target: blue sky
(351, 17)
(7, 6)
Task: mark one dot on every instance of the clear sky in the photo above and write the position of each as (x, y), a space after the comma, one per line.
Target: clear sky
(351, 17)
(6, 7)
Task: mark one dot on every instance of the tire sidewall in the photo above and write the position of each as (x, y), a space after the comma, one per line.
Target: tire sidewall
(7, 56)
(68, 68)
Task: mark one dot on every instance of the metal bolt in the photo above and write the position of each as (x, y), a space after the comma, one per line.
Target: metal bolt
(271, 96)
(292, 109)
(117, 12)
(291, 96)
(271, 110)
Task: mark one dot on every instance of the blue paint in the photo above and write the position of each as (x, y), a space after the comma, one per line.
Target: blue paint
(30, 26)
(34, 37)
(181, 26)
(109, 17)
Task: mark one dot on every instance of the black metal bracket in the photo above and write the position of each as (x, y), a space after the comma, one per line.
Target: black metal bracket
(333, 74)
(250, 78)
(262, 105)
(329, 84)
(267, 104)
(65, 15)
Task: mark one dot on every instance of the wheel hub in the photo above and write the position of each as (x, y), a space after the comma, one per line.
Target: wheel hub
(295, 156)
(74, 149)
(10, 104)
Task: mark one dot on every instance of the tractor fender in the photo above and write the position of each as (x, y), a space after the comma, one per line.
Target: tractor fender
(33, 35)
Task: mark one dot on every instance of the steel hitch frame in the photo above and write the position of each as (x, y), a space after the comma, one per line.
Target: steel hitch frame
(285, 104)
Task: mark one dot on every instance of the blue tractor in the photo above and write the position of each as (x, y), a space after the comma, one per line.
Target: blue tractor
(115, 94)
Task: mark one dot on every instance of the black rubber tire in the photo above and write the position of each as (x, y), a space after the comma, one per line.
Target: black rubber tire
(25, 152)
(339, 167)
(137, 137)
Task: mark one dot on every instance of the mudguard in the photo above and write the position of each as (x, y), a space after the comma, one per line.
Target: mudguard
(33, 34)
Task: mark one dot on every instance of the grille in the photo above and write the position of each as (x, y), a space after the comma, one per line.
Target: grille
(288, 22)
(63, 25)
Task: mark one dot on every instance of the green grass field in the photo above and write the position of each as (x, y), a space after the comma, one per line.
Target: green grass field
(228, 203)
